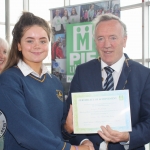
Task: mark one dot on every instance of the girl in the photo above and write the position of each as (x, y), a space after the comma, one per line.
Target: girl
(31, 98)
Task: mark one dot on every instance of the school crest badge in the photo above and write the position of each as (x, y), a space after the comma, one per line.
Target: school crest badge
(59, 94)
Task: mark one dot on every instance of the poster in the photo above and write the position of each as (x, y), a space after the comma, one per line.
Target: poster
(75, 20)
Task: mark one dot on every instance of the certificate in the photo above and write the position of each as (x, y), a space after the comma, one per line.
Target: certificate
(94, 109)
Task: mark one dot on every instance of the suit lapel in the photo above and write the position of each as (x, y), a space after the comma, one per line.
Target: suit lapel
(97, 77)
(124, 74)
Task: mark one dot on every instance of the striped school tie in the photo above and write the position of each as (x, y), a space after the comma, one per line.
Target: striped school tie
(108, 86)
(109, 82)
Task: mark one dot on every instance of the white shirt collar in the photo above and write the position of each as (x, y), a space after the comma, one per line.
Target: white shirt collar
(117, 66)
(26, 69)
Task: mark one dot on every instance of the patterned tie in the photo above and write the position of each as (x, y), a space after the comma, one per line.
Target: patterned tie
(108, 86)
(109, 83)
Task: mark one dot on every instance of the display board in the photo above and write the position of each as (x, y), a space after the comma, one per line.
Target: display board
(72, 42)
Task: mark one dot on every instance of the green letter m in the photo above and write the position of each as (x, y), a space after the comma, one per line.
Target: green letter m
(84, 39)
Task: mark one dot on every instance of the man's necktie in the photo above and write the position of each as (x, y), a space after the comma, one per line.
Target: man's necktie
(108, 86)
(109, 82)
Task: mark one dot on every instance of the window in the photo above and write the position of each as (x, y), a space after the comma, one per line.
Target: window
(2, 31)
(75, 2)
(129, 2)
(134, 31)
(16, 8)
(43, 6)
(2, 11)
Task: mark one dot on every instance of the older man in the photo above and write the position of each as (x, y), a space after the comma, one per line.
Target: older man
(110, 38)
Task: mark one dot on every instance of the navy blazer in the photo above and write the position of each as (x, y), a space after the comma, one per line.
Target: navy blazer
(134, 77)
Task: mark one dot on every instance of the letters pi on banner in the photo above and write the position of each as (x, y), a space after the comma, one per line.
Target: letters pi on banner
(3, 124)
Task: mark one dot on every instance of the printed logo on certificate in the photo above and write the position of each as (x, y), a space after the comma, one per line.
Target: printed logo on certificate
(94, 109)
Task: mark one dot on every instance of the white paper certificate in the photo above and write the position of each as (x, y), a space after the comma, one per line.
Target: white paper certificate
(94, 109)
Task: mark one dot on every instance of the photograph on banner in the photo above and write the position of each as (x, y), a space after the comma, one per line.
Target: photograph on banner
(115, 7)
(62, 16)
(65, 19)
(56, 21)
(74, 14)
(89, 11)
(58, 54)
(59, 47)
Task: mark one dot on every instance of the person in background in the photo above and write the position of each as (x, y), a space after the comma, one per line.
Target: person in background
(4, 49)
(110, 36)
(57, 22)
(74, 18)
(54, 46)
(100, 11)
(30, 97)
(86, 15)
(65, 19)
(82, 14)
(59, 51)
(91, 13)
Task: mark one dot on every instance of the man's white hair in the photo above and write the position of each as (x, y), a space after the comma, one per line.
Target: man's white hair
(107, 17)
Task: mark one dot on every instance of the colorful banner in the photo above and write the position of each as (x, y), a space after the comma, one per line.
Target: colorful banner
(72, 42)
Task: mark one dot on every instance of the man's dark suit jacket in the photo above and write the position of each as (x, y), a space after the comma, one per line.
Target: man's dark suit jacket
(134, 77)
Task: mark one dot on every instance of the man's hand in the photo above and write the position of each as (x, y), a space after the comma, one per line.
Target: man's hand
(88, 143)
(69, 121)
(110, 135)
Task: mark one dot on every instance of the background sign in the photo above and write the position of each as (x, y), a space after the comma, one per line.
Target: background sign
(80, 46)
(72, 42)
